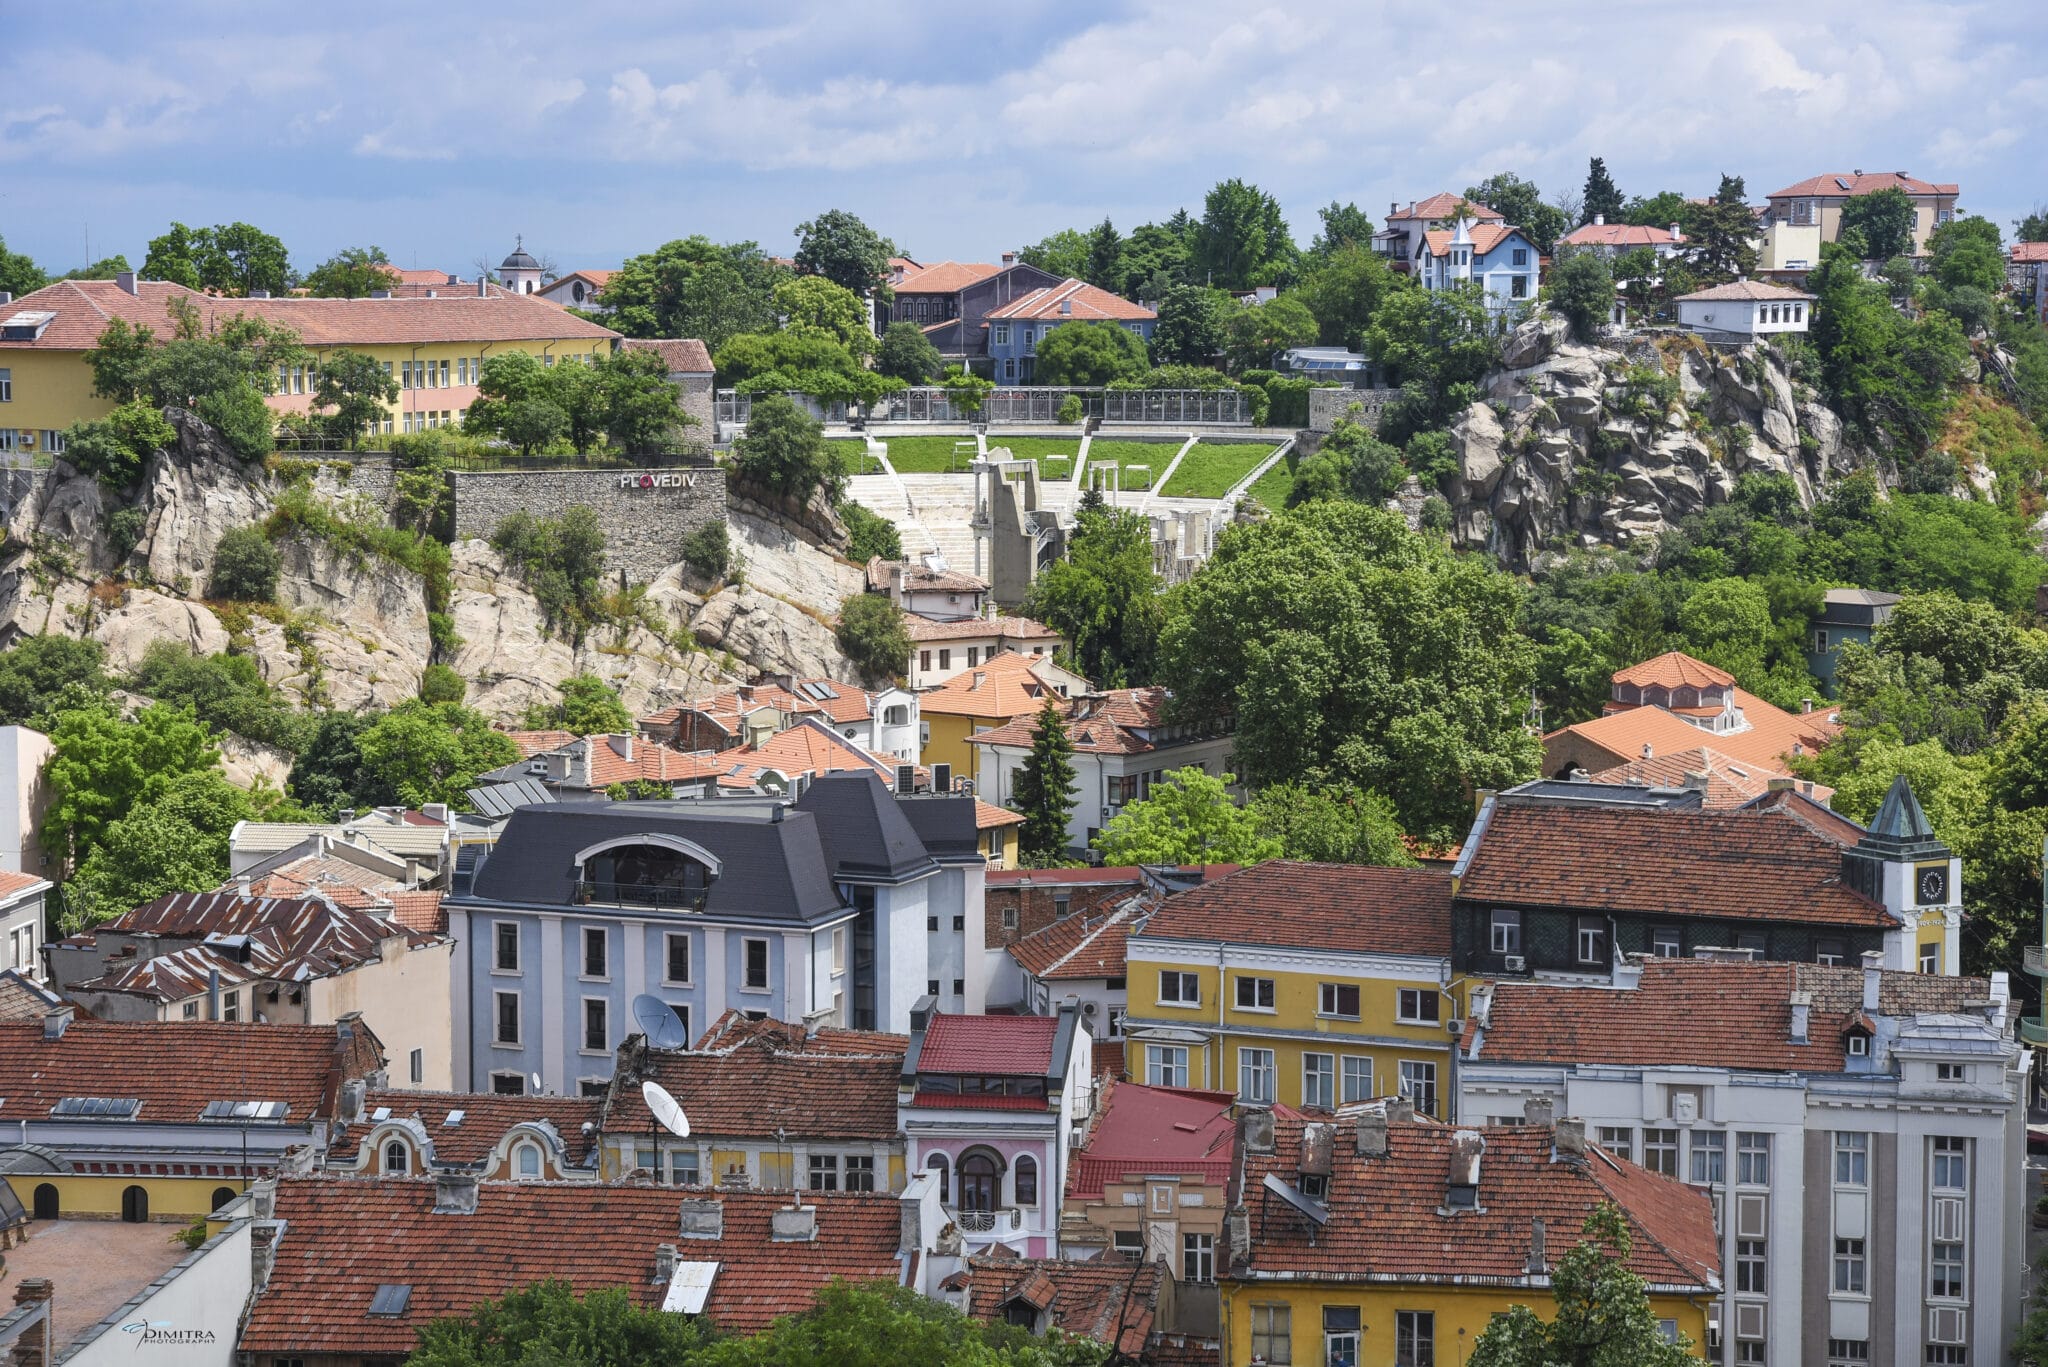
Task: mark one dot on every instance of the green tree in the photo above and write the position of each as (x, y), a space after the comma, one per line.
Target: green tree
(1242, 239)
(106, 268)
(115, 448)
(432, 752)
(548, 1323)
(783, 451)
(439, 683)
(1600, 199)
(813, 306)
(1601, 1314)
(1343, 290)
(838, 246)
(965, 391)
(351, 273)
(1156, 257)
(1660, 210)
(561, 559)
(1968, 253)
(1104, 597)
(102, 767)
(175, 256)
(882, 1324)
(1722, 235)
(245, 566)
(589, 707)
(240, 259)
(1090, 354)
(1582, 290)
(1884, 219)
(1363, 466)
(708, 550)
(329, 775)
(1352, 650)
(869, 535)
(119, 360)
(872, 636)
(1522, 205)
(357, 388)
(1255, 334)
(2034, 227)
(175, 842)
(516, 400)
(1188, 819)
(692, 287)
(1331, 826)
(41, 676)
(1190, 330)
(19, 274)
(799, 363)
(637, 408)
(1104, 268)
(1044, 787)
(1064, 254)
(908, 354)
(1344, 226)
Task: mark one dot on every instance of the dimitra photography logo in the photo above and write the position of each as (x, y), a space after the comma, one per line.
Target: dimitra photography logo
(665, 479)
(165, 1334)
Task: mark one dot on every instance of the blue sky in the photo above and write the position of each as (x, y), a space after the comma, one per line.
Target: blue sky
(603, 129)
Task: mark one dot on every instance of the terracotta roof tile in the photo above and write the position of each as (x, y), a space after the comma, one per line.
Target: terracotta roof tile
(13, 884)
(1001, 629)
(1442, 205)
(946, 277)
(1730, 782)
(682, 355)
(418, 910)
(809, 747)
(486, 1119)
(1111, 725)
(1485, 237)
(1139, 1130)
(1620, 235)
(1768, 738)
(1744, 289)
(1838, 184)
(1001, 687)
(1080, 946)
(1013, 1046)
(1674, 669)
(1106, 1300)
(751, 1078)
(987, 816)
(2024, 252)
(1072, 301)
(1344, 907)
(344, 1237)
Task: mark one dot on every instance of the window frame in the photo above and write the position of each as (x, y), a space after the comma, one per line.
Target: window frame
(1752, 1267)
(1665, 1145)
(1414, 1338)
(1593, 950)
(1254, 1063)
(767, 984)
(1949, 1156)
(1858, 1155)
(498, 943)
(1163, 1069)
(1325, 1093)
(1851, 1267)
(1183, 980)
(596, 1011)
(1504, 931)
(1272, 1327)
(1409, 1003)
(669, 940)
(1347, 1076)
(1264, 993)
(601, 938)
(1330, 1001)
(499, 996)
(1198, 1257)
(1413, 1082)
(1753, 1158)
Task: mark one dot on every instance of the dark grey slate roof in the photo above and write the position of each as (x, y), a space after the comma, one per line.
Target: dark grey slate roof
(866, 836)
(945, 823)
(1900, 828)
(772, 870)
(1602, 794)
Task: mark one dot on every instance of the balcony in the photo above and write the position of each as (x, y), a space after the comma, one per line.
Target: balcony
(658, 896)
(992, 1222)
(2033, 1031)
(2034, 959)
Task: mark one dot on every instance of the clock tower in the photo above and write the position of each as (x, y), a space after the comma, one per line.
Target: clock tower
(1903, 866)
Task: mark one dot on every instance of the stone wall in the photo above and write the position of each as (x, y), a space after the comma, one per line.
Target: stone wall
(1325, 406)
(645, 514)
(366, 474)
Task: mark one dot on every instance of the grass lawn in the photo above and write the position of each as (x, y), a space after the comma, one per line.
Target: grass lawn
(1156, 454)
(1271, 490)
(1210, 468)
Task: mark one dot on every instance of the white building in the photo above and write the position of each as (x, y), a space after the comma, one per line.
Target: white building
(1610, 240)
(21, 921)
(578, 290)
(1861, 1131)
(1494, 255)
(1745, 308)
(23, 753)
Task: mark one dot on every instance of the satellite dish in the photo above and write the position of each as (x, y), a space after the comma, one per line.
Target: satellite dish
(667, 1110)
(536, 1084)
(659, 1023)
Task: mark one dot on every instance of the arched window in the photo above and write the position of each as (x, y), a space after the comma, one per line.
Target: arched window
(648, 871)
(526, 1162)
(47, 1205)
(937, 1163)
(1027, 1180)
(397, 1157)
(135, 1205)
(981, 1178)
(222, 1196)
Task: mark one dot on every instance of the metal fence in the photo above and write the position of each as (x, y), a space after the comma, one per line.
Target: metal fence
(730, 407)
(506, 460)
(1026, 404)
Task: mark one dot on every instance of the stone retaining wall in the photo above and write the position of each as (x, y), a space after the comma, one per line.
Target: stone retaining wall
(645, 514)
(1325, 406)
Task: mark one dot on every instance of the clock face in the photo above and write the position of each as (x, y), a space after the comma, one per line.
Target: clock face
(1930, 885)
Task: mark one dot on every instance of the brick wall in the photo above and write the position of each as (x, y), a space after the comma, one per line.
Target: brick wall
(645, 514)
(1037, 905)
(1325, 406)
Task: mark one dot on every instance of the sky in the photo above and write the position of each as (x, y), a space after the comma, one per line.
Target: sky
(597, 130)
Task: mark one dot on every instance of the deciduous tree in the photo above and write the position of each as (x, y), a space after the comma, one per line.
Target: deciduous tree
(1884, 218)
(1064, 253)
(432, 752)
(355, 389)
(351, 273)
(1090, 353)
(783, 451)
(872, 635)
(1601, 1315)
(1242, 239)
(812, 306)
(1190, 330)
(1104, 597)
(1189, 819)
(19, 274)
(1254, 334)
(103, 767)
(908, 355)
(846, 251)
(1582, 290)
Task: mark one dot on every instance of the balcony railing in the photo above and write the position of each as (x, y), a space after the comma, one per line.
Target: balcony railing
(1005, 1221)
(2034, 958)
(642, 895)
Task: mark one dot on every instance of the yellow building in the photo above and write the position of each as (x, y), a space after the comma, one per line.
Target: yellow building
(1002, 687)
(1305, 985)
(1380, 1238)
(434, 345)
(996, 834)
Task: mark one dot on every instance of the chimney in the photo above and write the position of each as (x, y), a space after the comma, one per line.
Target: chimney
(483, 288)
(1599, 220)
(1393, 207)
(1648, 752)
(1009, 258)
(1466, 1147)
(664, 1264)
(56, 1021)
(1628, 974)
(1781, 784)
(1400, 1110)
(242, 885)
(1539, 1111)
(622, 746)
(1675, 234)
(438, 811)
(455, 1193)
(1317, 1141)
(432, 295)
(1539, 1261)
(32, 1349)
(1372, 1135)
(1802, 1009)
(126, 280)
(794, 1225)
(351, 1109)
(1570, 1136)
(1696, 779)
(1857, 172)
(1806, 704)
(1258, 1131)
(701, 1217)
(454, 279)
(1873, 978)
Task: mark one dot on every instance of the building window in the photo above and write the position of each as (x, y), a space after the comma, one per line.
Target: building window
(1418, 1084)
(1319, 1081)
(1031, 340)
(508, 1084)
(1166, 1065)
(1062, 906)
(1930, 958)
(860, 1172)
(1951, 1163)
(6, 386)
(677, 947)
(596, 1026)
(1750, 1353)
(756, 954)
(824, 1172)
(1859, 1044)
(1025, 1172)
(937, 1163)
(1852, 1159)
(1619, 1140)
(1750, 1266)
(1660, 1151)
(1507, 932)
(1520, 257)
(506, 938)
(1255, 1076)
(418, 1068)
(1254, 994)
(1338, 999)
(1419, 1006)
(397, 1157)
(1849, 1265)
(1273, 1334)
(1945, 1271)
(924, 661)
(507, 1017)
(1009, 367)
(1518, 286)
(1951, 1072)
(595, 963)
(1848, 1352)
(973, 656)
(945, 658)
(1592, 940)
(1198, 1257)
(1947, 1355)
(526, 1162)
(1753, 1159)
(1666, 943)
(1357, 1078)
(1414, 1338)
(1830, 949)
(1179, 989)
(1709, 1158)
(1000, 334)
(192, 1009)
(231, 1007)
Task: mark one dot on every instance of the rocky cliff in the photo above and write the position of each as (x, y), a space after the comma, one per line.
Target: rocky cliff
(351, 630)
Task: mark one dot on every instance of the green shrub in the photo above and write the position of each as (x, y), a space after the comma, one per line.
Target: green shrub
(441, 633)
(872, 634)
(113, 449)
(245, 567)
(124, 531)
(560, 560)
(708, 550)
(1070, 408)
(784, 451)
(869, 535)
(439, 683)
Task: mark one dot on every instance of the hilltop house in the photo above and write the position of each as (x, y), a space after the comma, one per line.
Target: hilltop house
(1816, 203)
(1401, 240)
(1016, 328)
(1847, 616)
(883, 721)
(951, 300)
(1745, 309)
(1674, 702)
(1610, 240)
(1493, 255)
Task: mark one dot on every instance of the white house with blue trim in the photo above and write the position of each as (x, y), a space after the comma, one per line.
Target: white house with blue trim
(1496, 255)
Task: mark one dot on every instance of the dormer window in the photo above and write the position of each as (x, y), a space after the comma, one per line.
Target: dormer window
(647, 870)
(1858, 1043)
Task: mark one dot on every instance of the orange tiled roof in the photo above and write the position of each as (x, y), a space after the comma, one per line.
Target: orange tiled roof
(648, 760)
(1000, 687)
(1730, 782)
(1745, 290)
(13, 884)
(1081, 946)
(1620, 235)
(486, 1117)
(1838, 184)
(1444, 204)
(1343, 907)
(343, 1237)
(2024, 252)
(1072, 300)
(1674, 669)
(1485, 237)
(1107, 1300)
(420, 911)
(682, 355)
(923, 629)
(533, 743)
(1113, 724)
(1768, 740)
(1017, 1046)
(987, 816)
(806, 748)
(946, 277)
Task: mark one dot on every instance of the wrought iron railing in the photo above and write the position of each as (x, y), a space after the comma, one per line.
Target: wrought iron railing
(641, 895)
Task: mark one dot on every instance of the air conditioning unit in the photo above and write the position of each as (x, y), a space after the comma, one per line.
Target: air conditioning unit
(1088, 1010)
(1514, 963)
(1455, 1026)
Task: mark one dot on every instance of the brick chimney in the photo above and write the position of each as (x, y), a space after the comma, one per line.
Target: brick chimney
(1539, 1110)
(455, 1193)
(1570, 1136)
(793, 1225)
(32, 1349)
(664, 1264)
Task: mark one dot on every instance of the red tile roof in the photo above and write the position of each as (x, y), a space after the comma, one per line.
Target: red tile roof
(1080, 946)
(1012, 1046)
(1674, 669)
(1072, 300)
(14, 884)
(1768, 738)
(1744, 289)
(2024, 252)
(342, 1238)
(1760, 864)
(1388, 1221)
(1000, 687)
(682, 355)
(946, 277)
(1729, 782)
(421, 911)
(1838, 184)
(1620, 235)
(970, 628)
(987, 816)
(1442, 205)
(486, 1119)
(1342, 907)
(1111, 723)
(809, 747)
(1139, 1130)
(533, 743)
(1485, 237)
(1106, 1300)
(645, 759)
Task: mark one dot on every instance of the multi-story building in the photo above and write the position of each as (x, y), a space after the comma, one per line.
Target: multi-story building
(1495, 256)
(1651, 703)
(1744, 310)
(952, 300)
(1153, 1179)
(23, 753)
(1401, 240)
(1378, 1237)
(827, 910)
(1610, 240)
(1302, 985)
(433, 344)
(1004, 686)
(883, 721)
(1561, 880)
(989, 1105)
(1015, 329)
(931, 590)
(1817, 202)
(1860, 1131)
(1846, 617)
(942, 651)
(497, 1138)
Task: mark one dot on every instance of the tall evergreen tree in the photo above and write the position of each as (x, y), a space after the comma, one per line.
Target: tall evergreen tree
(1105, 256)
(1602, 198)
(1044, 789)
(1723, 232)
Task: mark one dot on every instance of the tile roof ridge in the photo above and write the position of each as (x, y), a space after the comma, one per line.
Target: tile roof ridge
(1643, 1228)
